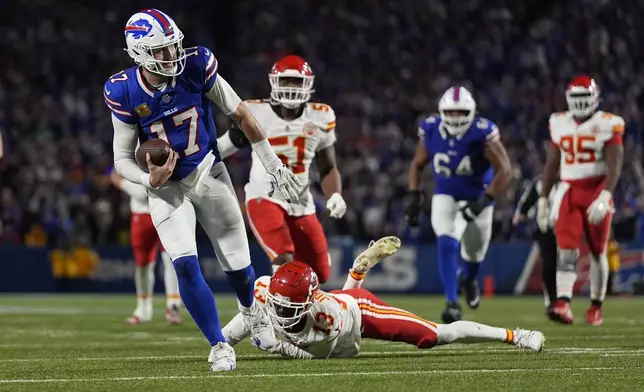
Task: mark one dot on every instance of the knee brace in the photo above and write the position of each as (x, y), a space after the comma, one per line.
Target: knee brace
(567, 260)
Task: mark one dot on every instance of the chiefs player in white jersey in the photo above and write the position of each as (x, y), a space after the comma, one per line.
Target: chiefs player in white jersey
(299, 132)
(587, 153)
(145, 246)
(310, 323)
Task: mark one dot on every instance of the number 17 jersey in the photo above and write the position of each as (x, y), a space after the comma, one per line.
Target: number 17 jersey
(180, 113)
(458, 162)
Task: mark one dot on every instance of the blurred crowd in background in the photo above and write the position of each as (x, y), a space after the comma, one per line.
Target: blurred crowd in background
(382, 65)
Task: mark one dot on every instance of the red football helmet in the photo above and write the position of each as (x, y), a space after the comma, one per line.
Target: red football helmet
(291, 80)
(582, 96)
(290, 293)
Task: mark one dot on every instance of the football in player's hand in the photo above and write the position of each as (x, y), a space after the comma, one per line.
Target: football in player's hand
(158, 149)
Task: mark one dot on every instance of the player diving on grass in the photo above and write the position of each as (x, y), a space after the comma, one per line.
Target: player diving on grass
(471, 169)
(167, 95)
(308, 323)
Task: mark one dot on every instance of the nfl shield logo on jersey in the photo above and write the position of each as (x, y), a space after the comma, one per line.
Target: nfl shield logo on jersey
(309, 129)
(166, 98)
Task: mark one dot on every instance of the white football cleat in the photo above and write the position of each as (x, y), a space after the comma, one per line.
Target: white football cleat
(223, 358)
(533, 340)
(386, 246)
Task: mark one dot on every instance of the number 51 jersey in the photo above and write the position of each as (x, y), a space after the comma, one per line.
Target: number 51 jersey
(458, 162)
(180, 113)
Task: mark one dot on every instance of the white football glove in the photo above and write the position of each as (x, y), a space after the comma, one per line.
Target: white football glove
(265, 339)
(600, 207)
(336, 206)
(288, 184)
(543, 214)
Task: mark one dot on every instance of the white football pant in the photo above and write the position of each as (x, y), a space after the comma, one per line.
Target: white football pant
(474, 236)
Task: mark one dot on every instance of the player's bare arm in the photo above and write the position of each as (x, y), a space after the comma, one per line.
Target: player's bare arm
(614, 156)
(331, 181)
(496, 154)
(412, 206)
(551, 169)
(421, 158)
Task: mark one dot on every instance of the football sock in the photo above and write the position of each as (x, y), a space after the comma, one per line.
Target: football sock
(448, 266)
(471, 332)
(598, 277)
(565, 282)
(243, 281)
(144, 283)
(470, 270)
(198, 298)
(354, 280)
(173, 299)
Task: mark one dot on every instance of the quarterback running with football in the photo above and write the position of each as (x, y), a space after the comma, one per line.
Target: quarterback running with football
(299, 132)
(587, 153)
(167, 95)
(309, 323)
(145, 246)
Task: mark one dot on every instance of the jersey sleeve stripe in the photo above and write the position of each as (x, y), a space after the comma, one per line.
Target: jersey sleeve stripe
(619, 128)
(331, 126)
(211, 68)
(117, 111)
(493, 136)
(111, 102)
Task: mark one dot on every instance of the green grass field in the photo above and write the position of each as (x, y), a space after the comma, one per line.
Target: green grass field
(80, 343)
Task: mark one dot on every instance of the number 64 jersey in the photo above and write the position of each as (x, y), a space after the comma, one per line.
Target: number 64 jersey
(458, 162)
(295, 142)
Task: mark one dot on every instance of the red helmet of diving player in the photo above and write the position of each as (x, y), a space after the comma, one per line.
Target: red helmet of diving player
(290, 293)
(582, 96)
(291, 80)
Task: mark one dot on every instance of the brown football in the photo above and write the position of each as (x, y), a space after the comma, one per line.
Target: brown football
(158, 149)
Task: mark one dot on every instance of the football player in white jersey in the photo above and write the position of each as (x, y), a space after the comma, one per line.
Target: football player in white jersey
(299, 132)
(310, 323)
(587, 153)
(145, 246)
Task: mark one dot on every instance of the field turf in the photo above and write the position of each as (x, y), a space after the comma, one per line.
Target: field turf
(80, 343)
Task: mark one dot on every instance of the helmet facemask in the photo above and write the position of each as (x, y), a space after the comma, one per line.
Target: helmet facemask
(290, 88)
(284, 313)
(456, 121)
(582, 102)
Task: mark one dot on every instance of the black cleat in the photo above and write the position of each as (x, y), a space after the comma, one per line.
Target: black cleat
(452, 313)
(472, 292)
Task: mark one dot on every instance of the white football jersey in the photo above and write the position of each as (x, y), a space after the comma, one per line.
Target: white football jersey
(296, 143)
(582, 145)
(333, 324)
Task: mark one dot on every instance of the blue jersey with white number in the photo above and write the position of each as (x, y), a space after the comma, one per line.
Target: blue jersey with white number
(180, 114)
(460, 167)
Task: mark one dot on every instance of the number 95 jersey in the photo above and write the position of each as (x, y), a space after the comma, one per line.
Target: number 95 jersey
(458, 162)
(582, 144)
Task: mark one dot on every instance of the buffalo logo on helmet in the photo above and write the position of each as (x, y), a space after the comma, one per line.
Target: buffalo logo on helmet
(138, 29)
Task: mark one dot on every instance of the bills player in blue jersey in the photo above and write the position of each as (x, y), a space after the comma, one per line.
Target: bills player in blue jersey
(471, 169)
(167, 95)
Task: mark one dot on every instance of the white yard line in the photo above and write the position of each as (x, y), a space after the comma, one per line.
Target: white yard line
(307, 375)
(606, 351)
